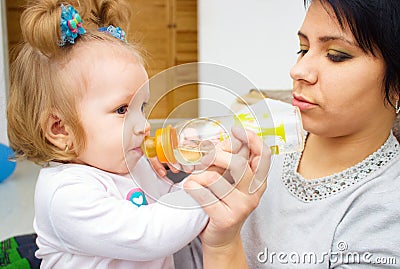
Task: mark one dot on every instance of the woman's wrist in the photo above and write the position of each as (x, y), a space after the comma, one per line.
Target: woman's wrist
(226, 256)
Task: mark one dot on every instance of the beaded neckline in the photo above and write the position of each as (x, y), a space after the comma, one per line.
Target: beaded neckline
(321, 188)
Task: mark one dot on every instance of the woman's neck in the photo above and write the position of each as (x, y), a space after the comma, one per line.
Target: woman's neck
(324, 156)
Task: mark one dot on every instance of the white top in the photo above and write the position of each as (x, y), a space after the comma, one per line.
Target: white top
(89, 218)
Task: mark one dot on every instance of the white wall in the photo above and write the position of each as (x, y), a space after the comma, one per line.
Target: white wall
(3, 74)
(257, 38)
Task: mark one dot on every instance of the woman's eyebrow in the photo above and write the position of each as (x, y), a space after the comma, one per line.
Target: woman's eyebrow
(325, 39)
(300, 34)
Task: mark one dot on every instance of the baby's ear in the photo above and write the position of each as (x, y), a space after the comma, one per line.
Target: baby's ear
(58, 133)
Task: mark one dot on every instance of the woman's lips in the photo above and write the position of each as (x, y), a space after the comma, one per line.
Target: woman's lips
(302, 103)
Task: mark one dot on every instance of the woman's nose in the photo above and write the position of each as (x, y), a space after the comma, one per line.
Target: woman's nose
(305, 69)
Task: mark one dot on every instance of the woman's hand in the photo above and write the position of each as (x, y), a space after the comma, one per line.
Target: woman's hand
(245, 160)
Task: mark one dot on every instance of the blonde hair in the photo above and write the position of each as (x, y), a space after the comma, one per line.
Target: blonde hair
(43, 85)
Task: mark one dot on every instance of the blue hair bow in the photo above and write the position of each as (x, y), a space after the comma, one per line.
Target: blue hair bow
(71, 25)
(114, 31)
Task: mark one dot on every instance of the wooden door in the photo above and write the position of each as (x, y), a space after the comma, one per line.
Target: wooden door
(167, 32)
(14, 9)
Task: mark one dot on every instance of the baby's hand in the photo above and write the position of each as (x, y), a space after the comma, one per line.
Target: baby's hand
(161, 169)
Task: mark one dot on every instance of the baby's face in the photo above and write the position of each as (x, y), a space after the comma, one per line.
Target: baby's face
(111, 110)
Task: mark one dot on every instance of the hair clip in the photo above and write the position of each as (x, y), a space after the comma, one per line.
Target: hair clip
(71, 25)
(115, 32)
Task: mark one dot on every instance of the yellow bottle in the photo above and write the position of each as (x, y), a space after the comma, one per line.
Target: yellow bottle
(187, 141)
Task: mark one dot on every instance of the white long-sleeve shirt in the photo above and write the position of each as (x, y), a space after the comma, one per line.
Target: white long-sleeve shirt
(89, 218)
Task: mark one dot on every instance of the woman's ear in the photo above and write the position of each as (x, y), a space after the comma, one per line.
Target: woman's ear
(58, 133)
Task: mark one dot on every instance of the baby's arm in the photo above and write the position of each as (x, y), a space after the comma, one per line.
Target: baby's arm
(100, 225)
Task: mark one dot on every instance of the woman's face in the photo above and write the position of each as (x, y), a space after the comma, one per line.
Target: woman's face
(336, 85)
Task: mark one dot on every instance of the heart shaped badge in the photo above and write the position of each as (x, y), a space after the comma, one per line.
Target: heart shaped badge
(137, 197)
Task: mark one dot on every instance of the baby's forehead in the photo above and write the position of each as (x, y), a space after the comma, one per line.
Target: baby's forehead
(86, 58)
(97, 50)
(89, 58)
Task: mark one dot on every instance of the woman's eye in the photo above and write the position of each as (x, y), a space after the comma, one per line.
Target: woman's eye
(303, 49)
(122, 110)
(337, 56)
(302, 52)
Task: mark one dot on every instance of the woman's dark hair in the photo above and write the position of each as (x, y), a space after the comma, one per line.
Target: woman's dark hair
(375, 25)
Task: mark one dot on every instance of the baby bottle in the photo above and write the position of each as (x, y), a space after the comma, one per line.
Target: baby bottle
(186, 142)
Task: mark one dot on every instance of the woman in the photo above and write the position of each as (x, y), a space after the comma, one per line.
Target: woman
(335, 205)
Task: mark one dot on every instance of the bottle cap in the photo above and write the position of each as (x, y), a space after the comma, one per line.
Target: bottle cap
(161, 145)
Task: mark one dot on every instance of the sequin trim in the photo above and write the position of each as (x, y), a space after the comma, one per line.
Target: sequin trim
(321, 188)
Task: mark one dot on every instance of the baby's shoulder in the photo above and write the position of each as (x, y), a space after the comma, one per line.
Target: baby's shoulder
(66, 174)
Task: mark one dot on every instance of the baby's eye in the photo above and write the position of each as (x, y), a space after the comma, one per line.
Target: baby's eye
(122, 110)
(143, 106)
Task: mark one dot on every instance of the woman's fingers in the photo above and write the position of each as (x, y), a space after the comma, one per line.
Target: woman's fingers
(210, 187)
(260, 164)
(235, 145)
(249, 172)
(248, 137)
(199, 192)
(217, 196)
(237, 166)
(241, 134)
(261, 156)
(217, 187)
